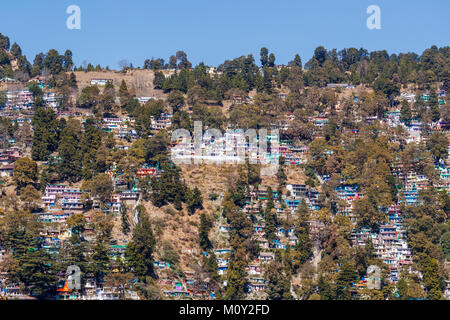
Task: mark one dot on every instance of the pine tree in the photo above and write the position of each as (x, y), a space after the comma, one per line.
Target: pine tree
(432, 278)
(236, 276)
(212, 268)
(73, 81)
(125, 219)
(37, 272)
(325, 290)
(264, 53)
(139, 252)
(123, 93)
(405, 112)
(278, 283)
(69, 151)
(46, 129)
(346, 277)
(25, 173)
(100, 258)
(402, 288)
(303, 247)
(194, 200)
(205, 227)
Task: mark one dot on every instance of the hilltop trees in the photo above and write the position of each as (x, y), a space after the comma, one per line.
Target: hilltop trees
(67, 61)
(154, 64)
(269, 72)
(50, 64)
(16, 51)
(53, 62)
(264, 53)
(183, 62)
(4, 42)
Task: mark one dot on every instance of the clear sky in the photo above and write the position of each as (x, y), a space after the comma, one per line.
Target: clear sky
(214, 30)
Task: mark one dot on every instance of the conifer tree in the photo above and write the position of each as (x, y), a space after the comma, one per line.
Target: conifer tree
(303, 246)
(139, 252)
(205, 227)
(125, 219)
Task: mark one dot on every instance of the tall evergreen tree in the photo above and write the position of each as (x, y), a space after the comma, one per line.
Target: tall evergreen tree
(46, 130)
(303, 247)
(139, 252)
(69, 151)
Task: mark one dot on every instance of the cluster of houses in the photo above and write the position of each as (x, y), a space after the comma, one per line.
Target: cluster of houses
(390, 244)
(231, 147)
(68, 198)
(19, 100)
(187, 287)
(293, 154)
(347, 194)
(93, 291)
(413, 183)
(121, 127)
(7, 158)
(162, 122)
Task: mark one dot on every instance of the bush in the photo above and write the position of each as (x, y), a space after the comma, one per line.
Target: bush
(213, 197)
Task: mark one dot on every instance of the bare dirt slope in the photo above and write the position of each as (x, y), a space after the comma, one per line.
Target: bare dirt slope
(141, 81)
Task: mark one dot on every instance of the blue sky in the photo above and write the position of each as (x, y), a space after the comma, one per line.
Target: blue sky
(212, 30)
